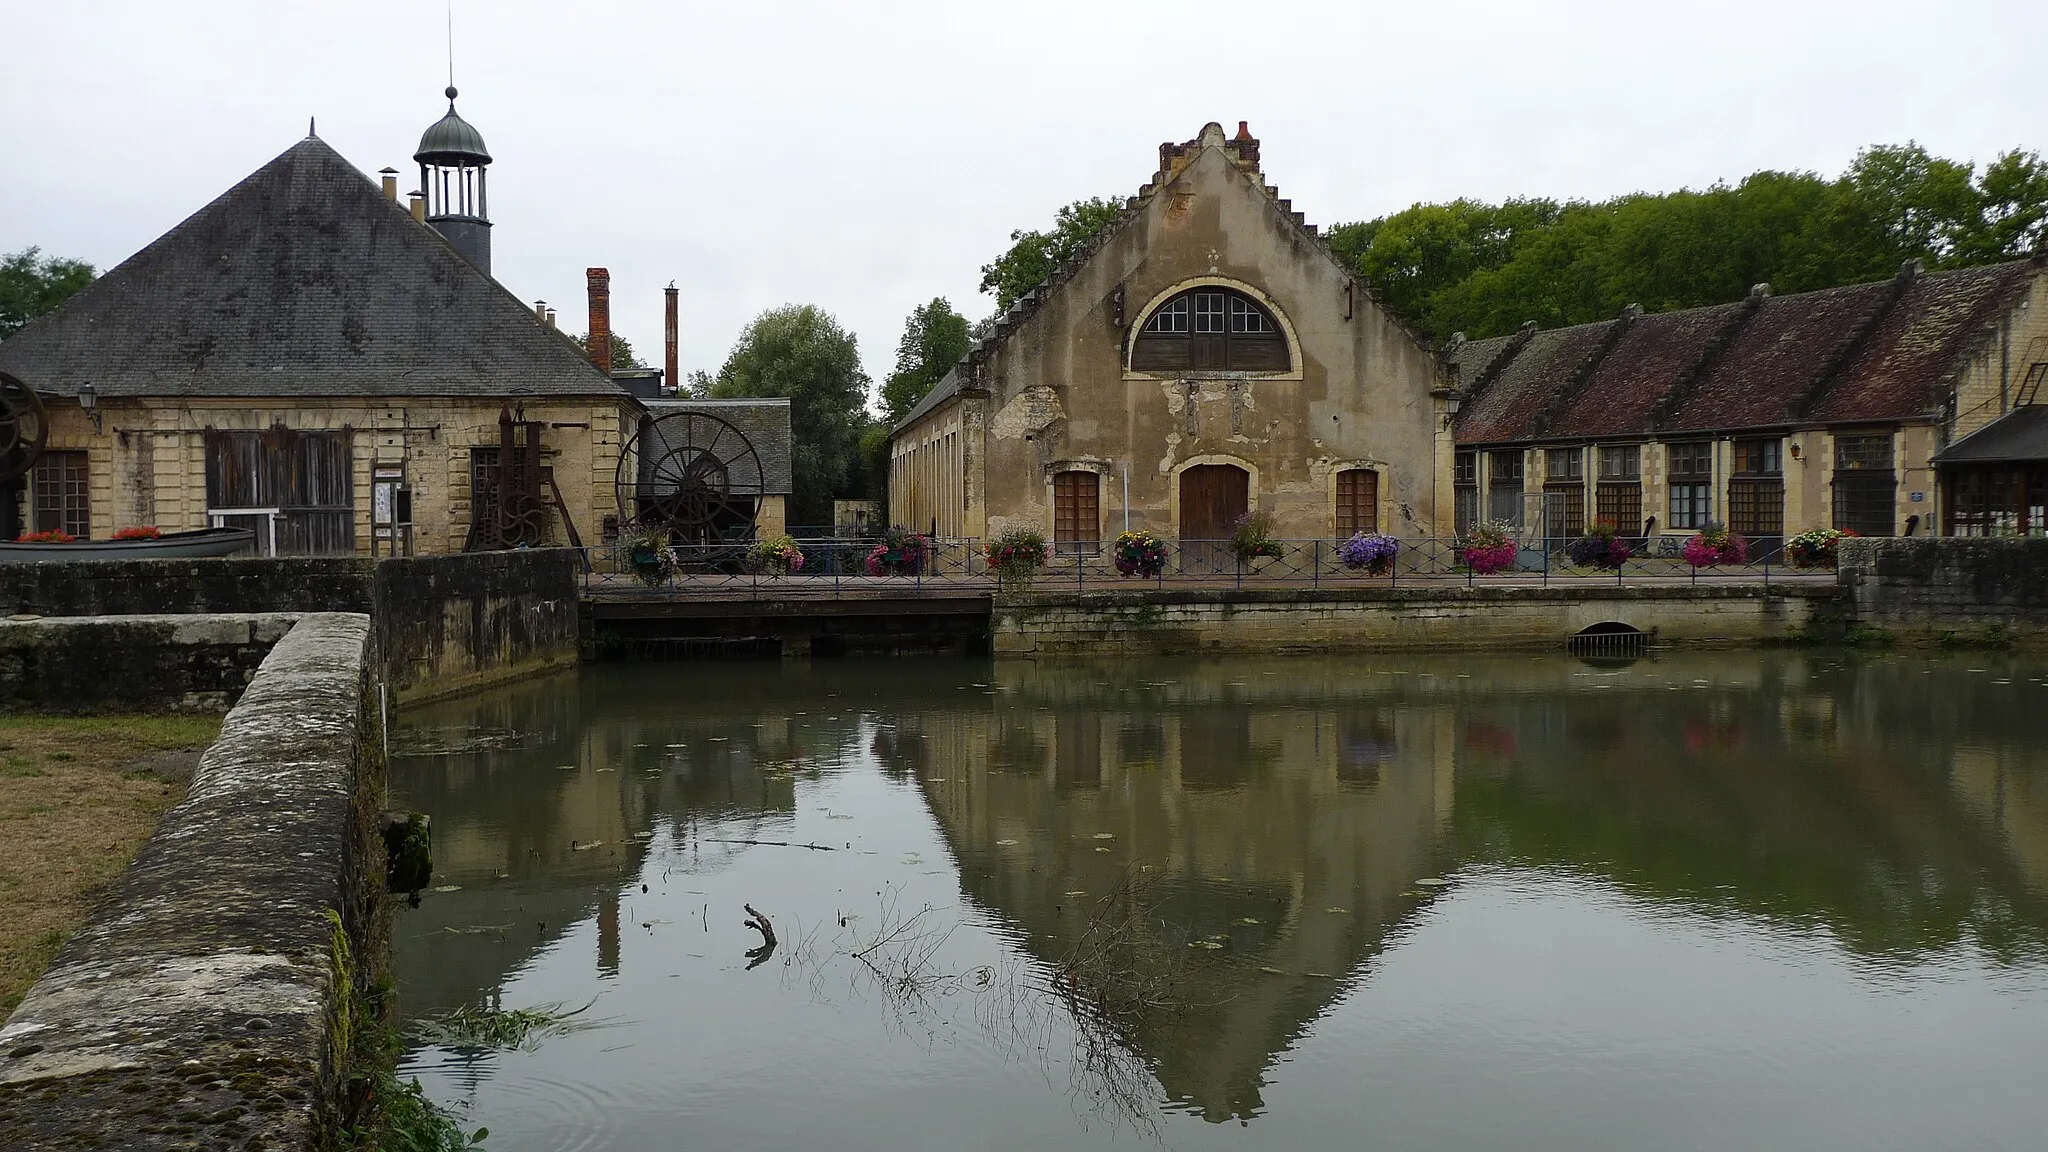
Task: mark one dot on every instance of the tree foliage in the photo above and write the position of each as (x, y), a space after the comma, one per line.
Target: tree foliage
(1034, 255)
(32, 284)
(1483, 269)
(801, 352)
(934, 339)
(622, 351)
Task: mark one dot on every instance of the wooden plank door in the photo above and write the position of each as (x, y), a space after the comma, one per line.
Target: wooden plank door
(1212, 498)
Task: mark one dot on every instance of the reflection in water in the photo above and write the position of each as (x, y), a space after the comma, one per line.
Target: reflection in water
(1449, 902)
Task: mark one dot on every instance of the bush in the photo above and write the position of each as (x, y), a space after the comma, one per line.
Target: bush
(1252, 537)
(1715, 544)
(1601, 547)
(1016, 556)
(1489, 547)
(1140, 553)
(1372, 552)
(778, 555)
(901, 553)
(1814, 548)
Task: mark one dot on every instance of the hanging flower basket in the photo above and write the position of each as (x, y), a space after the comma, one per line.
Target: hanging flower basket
(1601, 547)
(1815, 548)
(1140, 553)
(1015, 557)
(776, 556)
(1373, 553)
(1713, 545)
(1251, 538)
(901, 553)
(649, 558)
(1489, 547)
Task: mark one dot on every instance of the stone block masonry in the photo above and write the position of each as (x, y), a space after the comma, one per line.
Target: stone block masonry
(1435, 619)
(209, 1004)
(1946, 588)
(443, 624)
(133, 663)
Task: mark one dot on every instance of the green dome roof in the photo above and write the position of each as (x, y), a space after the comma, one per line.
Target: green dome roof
(451, 140)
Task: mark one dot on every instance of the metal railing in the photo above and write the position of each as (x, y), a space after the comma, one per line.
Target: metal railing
(837, 565)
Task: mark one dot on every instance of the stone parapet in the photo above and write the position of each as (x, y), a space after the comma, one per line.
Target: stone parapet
(133, 663)
(1948, 588)
(209, 1004)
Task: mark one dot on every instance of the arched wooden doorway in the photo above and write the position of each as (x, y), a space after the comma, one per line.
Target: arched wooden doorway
(1212, 499)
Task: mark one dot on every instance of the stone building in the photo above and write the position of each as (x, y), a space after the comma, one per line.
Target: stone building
(1204, 356)
(1774, 415)
(307, 357)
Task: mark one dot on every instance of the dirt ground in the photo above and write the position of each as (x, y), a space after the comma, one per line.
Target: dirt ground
(78, 796)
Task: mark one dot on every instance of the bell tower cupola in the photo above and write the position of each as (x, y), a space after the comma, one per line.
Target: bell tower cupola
(453, 162)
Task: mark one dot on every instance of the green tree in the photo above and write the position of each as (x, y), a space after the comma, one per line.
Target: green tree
(934, 339)
(2013, 209)
(32, 284)
(622, 351)
(1034, 255)
(801, 352)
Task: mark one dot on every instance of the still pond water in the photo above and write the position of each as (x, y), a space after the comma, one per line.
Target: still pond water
(1716, 900)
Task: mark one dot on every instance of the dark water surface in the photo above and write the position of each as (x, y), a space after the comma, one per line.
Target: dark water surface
(1742, 900)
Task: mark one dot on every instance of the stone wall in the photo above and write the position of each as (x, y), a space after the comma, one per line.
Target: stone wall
(133, 663)
(210, 1003)
(447, 624)
(443, 623)
(1433, 619)
(1948, 588)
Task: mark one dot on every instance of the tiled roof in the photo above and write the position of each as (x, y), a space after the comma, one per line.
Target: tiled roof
(1506, 407)
(1937, 324)
(764, 422)
(1622, 393)
(1879, 351)
(947, 388)
(1777, 356)
(303, 280)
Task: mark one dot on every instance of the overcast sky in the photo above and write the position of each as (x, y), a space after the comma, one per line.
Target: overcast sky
(865, 157)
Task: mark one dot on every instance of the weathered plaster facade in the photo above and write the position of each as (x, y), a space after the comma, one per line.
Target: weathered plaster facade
(1055, 388)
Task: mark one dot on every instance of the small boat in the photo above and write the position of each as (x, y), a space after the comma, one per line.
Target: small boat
(169, 546)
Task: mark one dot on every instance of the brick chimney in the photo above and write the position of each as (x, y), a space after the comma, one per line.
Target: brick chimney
(600, 317)
(668, 331)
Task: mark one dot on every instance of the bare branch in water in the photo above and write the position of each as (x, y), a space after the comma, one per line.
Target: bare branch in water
(759, 923)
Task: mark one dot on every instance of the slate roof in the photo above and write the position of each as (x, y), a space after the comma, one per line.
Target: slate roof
(301, 281)
(947, 388)
(1880, 351)
(2021, 434)
(764, 422)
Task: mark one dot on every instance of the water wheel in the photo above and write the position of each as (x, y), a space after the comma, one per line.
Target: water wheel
(24, 425)
(693, 477)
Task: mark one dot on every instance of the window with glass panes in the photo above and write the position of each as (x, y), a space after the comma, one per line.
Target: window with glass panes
(1865, 488)
(1564, 492)
(1504, 486)
(1358, 502)
(1465, 490)
(1689, 475)
(1618, 488)
(60, 494)
(1756, 489)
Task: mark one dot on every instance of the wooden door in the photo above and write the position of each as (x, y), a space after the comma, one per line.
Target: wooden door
(1212, 498)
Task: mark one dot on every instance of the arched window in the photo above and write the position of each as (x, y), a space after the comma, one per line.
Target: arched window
(1210, 328)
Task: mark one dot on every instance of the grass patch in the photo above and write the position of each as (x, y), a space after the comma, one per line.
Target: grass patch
(72, 815)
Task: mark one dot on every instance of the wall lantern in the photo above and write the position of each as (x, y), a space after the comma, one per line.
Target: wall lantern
(89, 401)
(1795, 451)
